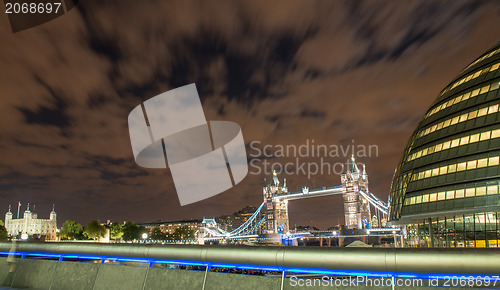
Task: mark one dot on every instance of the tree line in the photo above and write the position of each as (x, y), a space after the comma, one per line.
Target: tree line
(129, 231)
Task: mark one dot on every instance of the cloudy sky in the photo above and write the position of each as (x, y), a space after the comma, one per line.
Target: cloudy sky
(335, 72)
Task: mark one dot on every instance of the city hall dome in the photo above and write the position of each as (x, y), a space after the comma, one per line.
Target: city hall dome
(445, 190)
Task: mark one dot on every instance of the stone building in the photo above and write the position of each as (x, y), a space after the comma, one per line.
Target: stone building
(31, 225)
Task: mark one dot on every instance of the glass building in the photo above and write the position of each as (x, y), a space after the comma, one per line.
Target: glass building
(445, 191)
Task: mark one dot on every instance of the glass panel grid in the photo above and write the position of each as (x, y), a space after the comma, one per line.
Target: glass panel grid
(456, 167)
(452, 194)
(482, 136)
(470, 77)
(482, 58)
(459, 119)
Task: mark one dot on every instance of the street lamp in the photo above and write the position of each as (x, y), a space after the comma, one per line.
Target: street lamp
(144, 236)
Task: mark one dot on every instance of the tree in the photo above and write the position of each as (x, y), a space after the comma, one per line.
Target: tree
(4, 235)
(142, 231)
(71, 230)
(157, 234)
(95, 230)
(131, 231)
(183, 233)
(115, 231)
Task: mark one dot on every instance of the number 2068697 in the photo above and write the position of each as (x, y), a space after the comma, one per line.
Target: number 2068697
(33, 8)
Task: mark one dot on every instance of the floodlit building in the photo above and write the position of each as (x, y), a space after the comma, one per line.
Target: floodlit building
(31, 225)
(356, 208)
(232, 222)
(445, 191)
(276, 211)
(169, 227)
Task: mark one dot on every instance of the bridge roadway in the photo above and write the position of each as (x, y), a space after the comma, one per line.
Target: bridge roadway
(322, 191)
(331, 190)
(48, 266)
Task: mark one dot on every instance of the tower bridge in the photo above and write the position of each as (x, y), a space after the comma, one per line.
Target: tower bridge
(272, 218)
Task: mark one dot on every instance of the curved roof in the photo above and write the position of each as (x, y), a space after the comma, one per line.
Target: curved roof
(450, 164)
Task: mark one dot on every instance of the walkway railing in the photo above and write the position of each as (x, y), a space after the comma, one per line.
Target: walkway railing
(385, 262)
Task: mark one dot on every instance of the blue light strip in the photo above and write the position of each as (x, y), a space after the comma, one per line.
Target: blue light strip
(334, 272)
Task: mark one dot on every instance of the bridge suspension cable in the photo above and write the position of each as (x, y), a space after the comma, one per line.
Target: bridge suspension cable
(248, 227)
(375, 201)
(247, 222)
(256, 226)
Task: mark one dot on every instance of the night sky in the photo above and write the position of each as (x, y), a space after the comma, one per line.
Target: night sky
(335, 72)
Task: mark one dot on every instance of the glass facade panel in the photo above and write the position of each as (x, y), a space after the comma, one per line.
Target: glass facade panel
(484, 136)
(481, 191)
(470, 230)
(492, 189)
(471, 164)
(441, 195)
(482, 162)
(470, 192)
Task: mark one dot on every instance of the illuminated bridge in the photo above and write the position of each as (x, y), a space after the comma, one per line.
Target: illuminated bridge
(271, 217)
(144, 266)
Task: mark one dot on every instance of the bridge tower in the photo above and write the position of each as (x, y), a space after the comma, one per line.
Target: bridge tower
(356, 208)
(276, 210)
(206, 226)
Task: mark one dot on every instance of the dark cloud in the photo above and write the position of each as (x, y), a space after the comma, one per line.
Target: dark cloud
(337, 72)
(54, 114)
